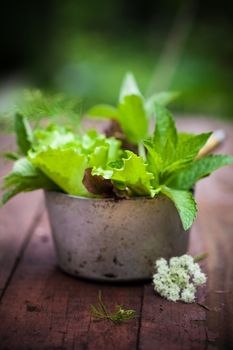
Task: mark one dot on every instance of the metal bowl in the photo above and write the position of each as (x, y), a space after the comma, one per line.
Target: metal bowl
(114, 240)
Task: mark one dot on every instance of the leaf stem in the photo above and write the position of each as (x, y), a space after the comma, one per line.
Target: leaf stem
(141, 150)
(200, 257)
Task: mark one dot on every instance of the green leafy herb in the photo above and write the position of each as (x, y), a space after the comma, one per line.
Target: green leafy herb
(119, 315)
(92, 164)
(186, 178)
(133, 112)
(184, 203)
(11, 155)
(23, 131)
(200, 257)
(23, 178)
(161, 98)
(129, 175)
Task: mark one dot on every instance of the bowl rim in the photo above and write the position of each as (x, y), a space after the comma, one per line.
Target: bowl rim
(107, 199)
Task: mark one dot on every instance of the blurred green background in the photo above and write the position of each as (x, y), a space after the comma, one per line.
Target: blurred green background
(84, 48)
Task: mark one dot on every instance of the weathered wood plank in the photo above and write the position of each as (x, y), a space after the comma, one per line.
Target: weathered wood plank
(17, 219)
(166, 325)
(46, 309)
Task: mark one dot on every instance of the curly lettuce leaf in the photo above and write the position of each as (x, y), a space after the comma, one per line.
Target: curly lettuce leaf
(63, 157)
(52, 136)
(128, 174)
(64, 166)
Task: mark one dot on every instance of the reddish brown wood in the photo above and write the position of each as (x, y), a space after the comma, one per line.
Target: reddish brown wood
(17, 220)
(43, 308)
(166, 325)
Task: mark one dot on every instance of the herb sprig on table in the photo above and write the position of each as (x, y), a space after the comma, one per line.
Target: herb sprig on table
(100, 311)
(94, 165)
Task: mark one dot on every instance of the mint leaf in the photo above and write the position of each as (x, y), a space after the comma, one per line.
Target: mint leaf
(187, 178)
(133, 119)
(23, 178)
(103, 111)
(161, 98)
(179, 157)
(185, 204)
(189, 145)
(23, 133)
(129, 87)
(165, 129)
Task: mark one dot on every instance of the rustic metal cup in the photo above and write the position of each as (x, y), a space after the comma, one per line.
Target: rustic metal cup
(114, 240)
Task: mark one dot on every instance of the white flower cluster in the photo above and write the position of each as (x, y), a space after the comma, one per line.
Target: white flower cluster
(178, 279)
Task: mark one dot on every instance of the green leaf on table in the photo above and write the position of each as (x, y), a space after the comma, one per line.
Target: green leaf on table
(23, 178)
(185, 204)
(200, 168)
(23, 132)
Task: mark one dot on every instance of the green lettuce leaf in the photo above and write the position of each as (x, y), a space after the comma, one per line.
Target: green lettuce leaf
(63, 157)
(185, 204)
(128, 174)
(64, 166)
(187, 178)
(23, 178)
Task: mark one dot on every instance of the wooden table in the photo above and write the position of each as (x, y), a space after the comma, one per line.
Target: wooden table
(43, 308)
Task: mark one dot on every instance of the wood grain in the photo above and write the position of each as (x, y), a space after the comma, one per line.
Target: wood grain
(43, 308)
(17, 220)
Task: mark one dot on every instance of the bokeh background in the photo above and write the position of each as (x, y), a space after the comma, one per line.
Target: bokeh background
(83, 49)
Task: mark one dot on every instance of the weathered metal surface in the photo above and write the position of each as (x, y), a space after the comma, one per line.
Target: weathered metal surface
(115, 240)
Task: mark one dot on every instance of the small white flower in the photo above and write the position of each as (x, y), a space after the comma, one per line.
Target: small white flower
(178, 279)
(188, 295)
(161, 263)
(199, 278)
(174, 262)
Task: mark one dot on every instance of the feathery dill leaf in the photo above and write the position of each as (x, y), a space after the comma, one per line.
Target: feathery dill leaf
(119, 315)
